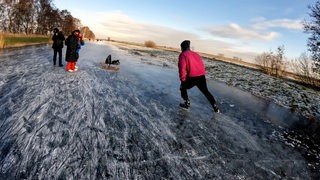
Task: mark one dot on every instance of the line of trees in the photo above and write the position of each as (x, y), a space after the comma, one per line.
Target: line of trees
(304, 67)
(312, 27)
(274, 63)
(307, 66)
(36, 17)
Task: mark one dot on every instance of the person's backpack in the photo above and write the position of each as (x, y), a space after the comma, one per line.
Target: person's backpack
(108, 60)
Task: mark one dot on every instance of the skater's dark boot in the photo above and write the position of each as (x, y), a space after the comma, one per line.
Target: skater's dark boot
(216, 109)
(60, 62)
(185, 105)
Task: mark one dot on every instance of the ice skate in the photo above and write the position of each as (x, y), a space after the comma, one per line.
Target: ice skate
(216, 109)
(185, 105)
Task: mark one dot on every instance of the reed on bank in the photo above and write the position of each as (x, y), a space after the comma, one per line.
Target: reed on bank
(15, 40)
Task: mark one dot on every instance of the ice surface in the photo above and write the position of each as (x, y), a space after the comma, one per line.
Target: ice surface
(98, 124)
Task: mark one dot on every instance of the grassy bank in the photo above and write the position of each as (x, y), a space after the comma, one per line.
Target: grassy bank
(15, 40)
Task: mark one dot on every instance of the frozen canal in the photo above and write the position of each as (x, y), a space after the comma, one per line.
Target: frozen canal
(126, 124)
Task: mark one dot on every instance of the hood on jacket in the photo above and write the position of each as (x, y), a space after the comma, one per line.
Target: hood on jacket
(185, 45)
(55, 30)
(77, 35)
(77, 30)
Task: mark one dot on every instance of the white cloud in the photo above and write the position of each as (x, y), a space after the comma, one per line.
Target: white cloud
(261, 29)
(235, 31)
(295, 24)
(216, 47)
(119, 26)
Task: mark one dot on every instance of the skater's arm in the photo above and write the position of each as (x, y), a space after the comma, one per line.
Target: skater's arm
(82, 42)
(182, 67)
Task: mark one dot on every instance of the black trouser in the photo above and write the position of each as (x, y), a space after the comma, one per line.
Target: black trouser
(200, 82)
(59, 51)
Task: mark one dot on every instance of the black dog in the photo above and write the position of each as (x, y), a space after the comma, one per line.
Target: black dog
(109, 61)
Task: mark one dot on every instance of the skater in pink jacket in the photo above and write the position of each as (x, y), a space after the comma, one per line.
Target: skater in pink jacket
(192, 73)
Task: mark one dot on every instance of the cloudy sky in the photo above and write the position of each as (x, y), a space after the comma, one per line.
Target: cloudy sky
(234, 28)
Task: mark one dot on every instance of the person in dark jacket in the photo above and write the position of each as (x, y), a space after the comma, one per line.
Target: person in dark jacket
(57, 45)
(73, 46)
(192, 73)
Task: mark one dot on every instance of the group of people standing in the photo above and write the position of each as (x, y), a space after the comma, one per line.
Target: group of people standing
(73, 42)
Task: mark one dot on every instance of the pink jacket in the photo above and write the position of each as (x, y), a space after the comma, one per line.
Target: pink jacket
(190, 65)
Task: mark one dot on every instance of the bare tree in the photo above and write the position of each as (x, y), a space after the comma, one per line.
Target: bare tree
(313, 27)
(87, 33)
(3, 16)
(6, 20)
(23, 14)
(272, 63)
(36, 16)
(279, 65)
(45, 17)
(302, 66)
(68, 22)
(264, 60)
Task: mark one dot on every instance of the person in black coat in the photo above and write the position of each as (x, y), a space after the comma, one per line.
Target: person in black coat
(57, 45)
(72, 47)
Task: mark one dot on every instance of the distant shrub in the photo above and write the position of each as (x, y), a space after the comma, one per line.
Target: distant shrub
(237, 58)
(150, 44)
(221, 55)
